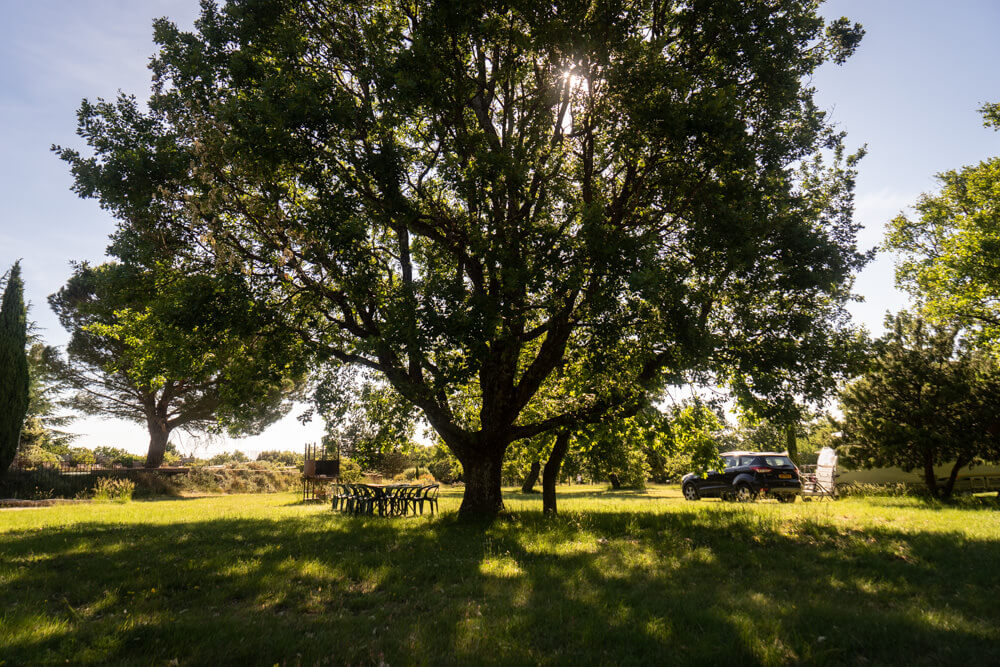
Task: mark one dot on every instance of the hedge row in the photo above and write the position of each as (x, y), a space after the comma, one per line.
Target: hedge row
(254, 477)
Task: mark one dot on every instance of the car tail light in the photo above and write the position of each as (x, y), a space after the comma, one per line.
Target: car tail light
(760, 469)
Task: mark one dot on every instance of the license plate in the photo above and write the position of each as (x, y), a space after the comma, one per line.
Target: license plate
(784, 476)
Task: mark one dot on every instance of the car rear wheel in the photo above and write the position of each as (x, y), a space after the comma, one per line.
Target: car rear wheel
(785, 497)
(690, 492)
(744, 493)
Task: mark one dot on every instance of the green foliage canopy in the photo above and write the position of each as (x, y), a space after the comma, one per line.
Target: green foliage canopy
(926, 400)
(172, 350)
(464, 197)
(45, 419)
(950, 250)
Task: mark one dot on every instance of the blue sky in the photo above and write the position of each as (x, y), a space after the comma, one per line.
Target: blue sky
(910, 93)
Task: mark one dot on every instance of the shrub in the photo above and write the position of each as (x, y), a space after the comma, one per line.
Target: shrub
(413, 474)
(228, 457)
(285, 458)
(80, 456)
(254, 477)
(883, 489)
(114, 456)
(350, 472)
(392, 463)
(114, 489)
(149, 484)
(445, 471)
(675, 465)
(34, 457)
(257, 465)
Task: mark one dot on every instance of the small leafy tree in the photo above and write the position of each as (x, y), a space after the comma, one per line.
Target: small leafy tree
(366, 420)
(821, 431)
(949, 251)
(173, 351)
(616, 452)
(44, 422)
(14, 378)
(926, 400)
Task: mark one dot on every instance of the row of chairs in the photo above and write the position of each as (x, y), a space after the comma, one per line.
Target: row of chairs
(384, 500)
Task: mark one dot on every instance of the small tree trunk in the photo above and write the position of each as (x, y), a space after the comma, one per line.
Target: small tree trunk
(158, 436)
(531, 478)
(930, 479)
(791, 444)
(615, 482)
(950, 485)
(551, 474)
(483, 498)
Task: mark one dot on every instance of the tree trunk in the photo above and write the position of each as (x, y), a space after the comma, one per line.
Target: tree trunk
(531, 478)
(930, 479)
(483, 498)
(615, 482)
(950, 485)
(551, 474)
(158, 436)
(791, 444)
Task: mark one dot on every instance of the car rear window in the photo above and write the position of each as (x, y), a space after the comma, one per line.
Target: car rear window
(777, 461)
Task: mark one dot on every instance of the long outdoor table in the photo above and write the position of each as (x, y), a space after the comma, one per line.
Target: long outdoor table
(384, 499)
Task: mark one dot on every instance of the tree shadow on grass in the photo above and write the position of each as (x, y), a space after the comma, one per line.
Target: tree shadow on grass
(571, 493)
(990, 503)
(715, 586)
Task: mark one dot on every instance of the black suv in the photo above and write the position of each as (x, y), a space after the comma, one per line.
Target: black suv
(746, 476)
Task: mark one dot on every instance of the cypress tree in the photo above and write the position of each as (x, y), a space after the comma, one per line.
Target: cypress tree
(13, 366)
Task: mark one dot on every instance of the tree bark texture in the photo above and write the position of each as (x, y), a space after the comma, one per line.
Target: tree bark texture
(531, 478)
(950, 484)
(551, 474)
(483, 498)
(930, 479)
(159, 433)
(791, 444)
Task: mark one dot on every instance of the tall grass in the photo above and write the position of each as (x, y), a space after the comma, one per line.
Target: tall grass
(110, 489)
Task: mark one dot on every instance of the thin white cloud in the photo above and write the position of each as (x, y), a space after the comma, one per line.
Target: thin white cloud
(882, 204)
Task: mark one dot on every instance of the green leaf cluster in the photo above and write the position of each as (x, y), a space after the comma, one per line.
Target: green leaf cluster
(173, 350)
(949, 251)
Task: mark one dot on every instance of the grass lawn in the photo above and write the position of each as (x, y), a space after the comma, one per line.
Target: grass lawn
(617, 578)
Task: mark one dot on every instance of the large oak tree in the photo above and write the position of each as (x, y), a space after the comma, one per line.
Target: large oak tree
(495, 204)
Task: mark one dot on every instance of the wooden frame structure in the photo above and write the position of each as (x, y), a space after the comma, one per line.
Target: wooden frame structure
(317, 472)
